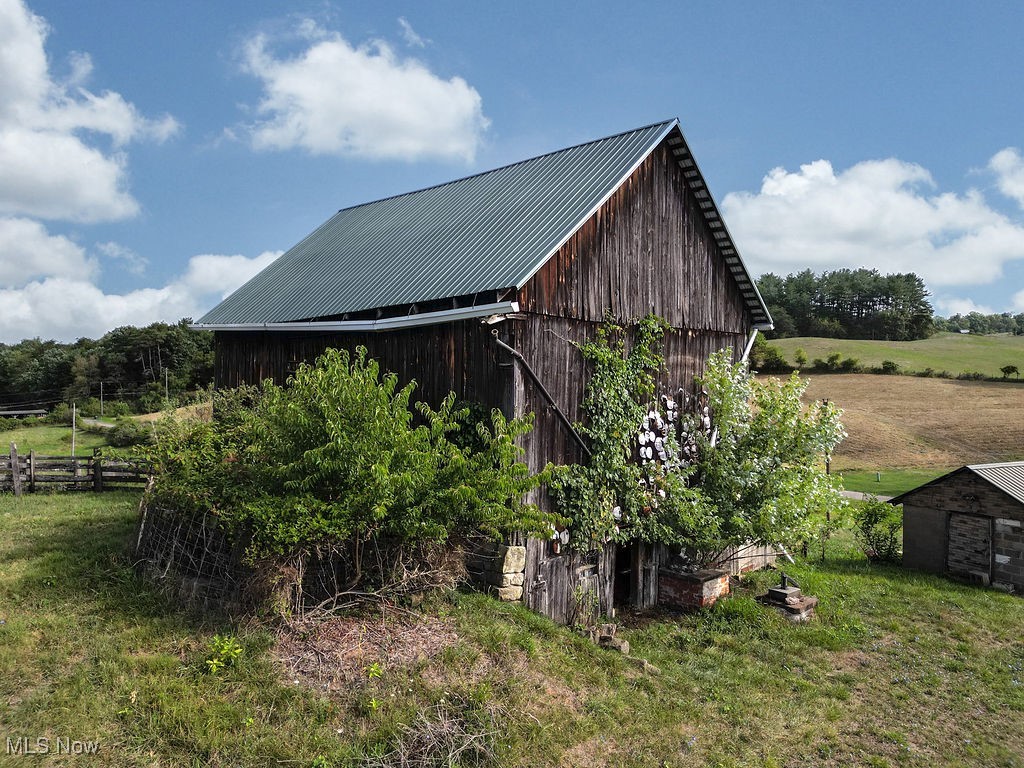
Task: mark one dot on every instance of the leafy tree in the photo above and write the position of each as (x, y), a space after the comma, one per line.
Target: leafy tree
(760, 476)
(1008, 369)
(859, 304)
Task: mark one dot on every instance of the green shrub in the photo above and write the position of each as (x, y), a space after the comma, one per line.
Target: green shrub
(129, 432)
(890, 368)
(89, 407)
(767, 358)
(334, 463)
(850, 365)
(879, 530)
(115, 408)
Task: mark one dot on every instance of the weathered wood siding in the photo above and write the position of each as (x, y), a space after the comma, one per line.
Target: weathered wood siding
(647, 249)
(547, 344)
(460, 357)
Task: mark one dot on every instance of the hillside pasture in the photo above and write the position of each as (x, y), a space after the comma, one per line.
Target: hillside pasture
(953, 353)
(51, 440)
(906, 421)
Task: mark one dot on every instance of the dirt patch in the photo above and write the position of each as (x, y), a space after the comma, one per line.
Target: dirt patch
(906, 421)
(336, 653)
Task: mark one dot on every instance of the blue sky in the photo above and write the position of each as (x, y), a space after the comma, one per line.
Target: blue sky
(153, 156)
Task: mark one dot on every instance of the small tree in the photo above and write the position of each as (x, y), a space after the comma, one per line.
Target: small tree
(1008, 369)
(879, 530)
(760, 475)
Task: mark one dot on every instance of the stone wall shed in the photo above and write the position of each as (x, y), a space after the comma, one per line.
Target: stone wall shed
(969, 523)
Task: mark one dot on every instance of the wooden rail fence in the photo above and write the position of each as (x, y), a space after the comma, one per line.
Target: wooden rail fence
(21, 473)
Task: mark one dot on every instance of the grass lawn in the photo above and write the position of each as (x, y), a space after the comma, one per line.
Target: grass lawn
(899, 669)
(890, 482)
(952, 352)
(51, 440)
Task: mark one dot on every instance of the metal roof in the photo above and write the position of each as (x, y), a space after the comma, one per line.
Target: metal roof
(483, 233)
(1007, 476)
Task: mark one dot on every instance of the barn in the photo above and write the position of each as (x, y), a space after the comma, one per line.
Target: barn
(480, 286)
(969, 523)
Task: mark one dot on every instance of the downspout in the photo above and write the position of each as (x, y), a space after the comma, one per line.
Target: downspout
(750, 346)
(543, 390)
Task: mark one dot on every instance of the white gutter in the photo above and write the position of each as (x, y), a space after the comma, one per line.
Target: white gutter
(371, 326)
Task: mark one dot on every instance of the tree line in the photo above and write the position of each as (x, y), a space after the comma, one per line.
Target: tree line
(863, 304)
(138, 366)
(976, 322)
(848, 303)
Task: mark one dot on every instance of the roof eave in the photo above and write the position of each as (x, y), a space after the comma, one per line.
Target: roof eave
(371, 326)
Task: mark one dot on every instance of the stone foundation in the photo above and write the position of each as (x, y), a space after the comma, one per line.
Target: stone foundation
(691, 590)
(499, 569)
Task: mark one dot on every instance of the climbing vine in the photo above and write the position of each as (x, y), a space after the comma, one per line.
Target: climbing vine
(609, 492)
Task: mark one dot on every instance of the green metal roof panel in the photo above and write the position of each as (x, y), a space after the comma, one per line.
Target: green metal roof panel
(486, 232)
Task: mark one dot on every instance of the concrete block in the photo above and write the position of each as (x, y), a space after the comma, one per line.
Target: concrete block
(1002, 559)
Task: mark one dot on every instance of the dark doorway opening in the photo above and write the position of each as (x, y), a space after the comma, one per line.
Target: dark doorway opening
(623, 586)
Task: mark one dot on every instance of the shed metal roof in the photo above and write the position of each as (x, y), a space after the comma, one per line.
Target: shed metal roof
(483, 233)
(1007, 476)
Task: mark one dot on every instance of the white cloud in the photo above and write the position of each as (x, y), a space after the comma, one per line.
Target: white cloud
(882, 214)
(28, 252)
(47, 167)
(1008, 166)
(67, 308)
(334, 98)
(130, 259)
(1018, 301)
(410, 35)
(949, 306)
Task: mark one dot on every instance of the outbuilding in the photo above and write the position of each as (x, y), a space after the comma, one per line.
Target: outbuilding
(480, 286)
(968, 523)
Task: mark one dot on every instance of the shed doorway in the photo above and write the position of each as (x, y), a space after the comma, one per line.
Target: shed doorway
(969, 546)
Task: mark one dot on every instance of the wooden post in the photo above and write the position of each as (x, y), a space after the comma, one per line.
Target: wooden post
(31, 471)
(97, 471)
(15, 470)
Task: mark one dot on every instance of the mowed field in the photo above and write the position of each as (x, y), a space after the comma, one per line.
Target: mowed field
(951, 352)
(906, 421)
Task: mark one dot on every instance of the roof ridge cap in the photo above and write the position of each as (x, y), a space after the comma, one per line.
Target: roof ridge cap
(674, 120)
